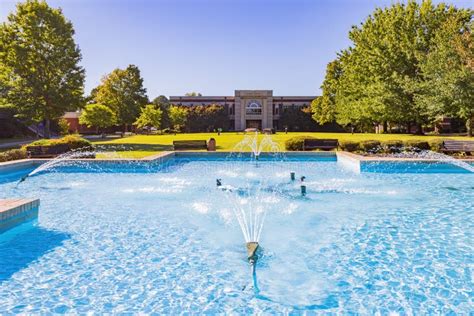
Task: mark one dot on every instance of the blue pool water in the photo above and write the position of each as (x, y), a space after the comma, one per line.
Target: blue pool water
(151, 238)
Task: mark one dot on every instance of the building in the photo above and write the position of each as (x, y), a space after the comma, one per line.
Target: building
(248, 108)
(72, 118)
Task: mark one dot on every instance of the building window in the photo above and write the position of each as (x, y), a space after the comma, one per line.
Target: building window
(254, 108)
(275, 109)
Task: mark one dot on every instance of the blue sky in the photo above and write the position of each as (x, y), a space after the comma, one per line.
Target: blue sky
(214, 46)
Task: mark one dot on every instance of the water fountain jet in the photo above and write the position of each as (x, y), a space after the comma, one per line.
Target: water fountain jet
(252, 248)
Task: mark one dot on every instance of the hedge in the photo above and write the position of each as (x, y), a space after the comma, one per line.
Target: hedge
(73, 141)
(416, 145)
(392, 146)
(296, 143)
(12, 154)
(436, 144)
(370, 145)
(348, 145)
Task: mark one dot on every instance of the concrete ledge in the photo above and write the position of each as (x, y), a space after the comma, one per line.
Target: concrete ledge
(14, 212)
(350, 161)
(359, 164)
(163, 156)
(19, 164)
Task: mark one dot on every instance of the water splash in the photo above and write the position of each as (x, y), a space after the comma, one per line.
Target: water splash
(73, 157)
(250, 206)
(435, 156)
(257, 146)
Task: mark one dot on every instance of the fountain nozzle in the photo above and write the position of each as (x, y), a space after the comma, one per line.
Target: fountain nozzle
(252, 248)
(22, 179)
(303, 190)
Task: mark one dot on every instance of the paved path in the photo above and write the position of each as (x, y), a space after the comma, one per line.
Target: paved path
(15, 144)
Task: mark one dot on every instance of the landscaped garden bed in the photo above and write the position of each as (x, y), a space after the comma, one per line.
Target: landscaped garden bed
(385, 148)
(46, 148)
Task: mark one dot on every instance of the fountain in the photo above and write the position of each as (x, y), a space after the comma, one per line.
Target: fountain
(438, 157)
(76, 155)
(255, 146)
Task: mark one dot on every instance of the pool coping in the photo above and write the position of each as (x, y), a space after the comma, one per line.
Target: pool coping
(348, 159)
(16, 211)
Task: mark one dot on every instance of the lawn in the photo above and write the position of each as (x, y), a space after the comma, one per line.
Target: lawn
(140, 146)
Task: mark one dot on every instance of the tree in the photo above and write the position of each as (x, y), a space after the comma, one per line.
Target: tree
(297, 118)
(324, 107)
(380, 77)
(150, 116)
(122, 90)
(162, 103)
(193, 94)
(449, 69)
(98, 115)
(205, 118)
(178, 117)
(39, 63)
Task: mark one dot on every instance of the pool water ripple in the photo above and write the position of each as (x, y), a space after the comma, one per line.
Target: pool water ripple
(165, 241)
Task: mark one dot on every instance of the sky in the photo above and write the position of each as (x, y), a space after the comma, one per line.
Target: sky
(214, 46)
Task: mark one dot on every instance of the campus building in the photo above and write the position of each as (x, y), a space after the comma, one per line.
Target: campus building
(249, 108)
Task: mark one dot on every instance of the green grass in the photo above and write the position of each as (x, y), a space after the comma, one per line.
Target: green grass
(140, 146)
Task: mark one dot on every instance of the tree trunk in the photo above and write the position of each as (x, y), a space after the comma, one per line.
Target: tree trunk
(419, 129)
(469, 126)
(408, 128)
(47, 128)
(385, 127)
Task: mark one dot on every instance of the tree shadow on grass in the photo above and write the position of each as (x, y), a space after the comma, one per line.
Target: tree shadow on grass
(24, 245)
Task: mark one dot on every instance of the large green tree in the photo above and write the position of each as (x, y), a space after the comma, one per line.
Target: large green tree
(162, 103)
(97, 115)
(324, 107)
(178, 117)
(122, 90)
(380, 78)
(206, 118)
(449, 69)
(40, 75)
(193, 94)
(150, 116)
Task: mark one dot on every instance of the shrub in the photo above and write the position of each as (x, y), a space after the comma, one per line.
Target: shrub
(73, 141)
(348, 145)
(296, 143)
(392, 146)
(370, 146)
(63, 126)
(417, 145)
(12, 154)
(436, 144)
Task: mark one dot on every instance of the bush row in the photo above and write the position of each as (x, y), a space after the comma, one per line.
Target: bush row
(390, 146)
(73, 142)
(372, 146)
(12, 154)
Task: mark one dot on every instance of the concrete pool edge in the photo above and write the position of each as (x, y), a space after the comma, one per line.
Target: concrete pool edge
(14, 212)
(347, 160)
